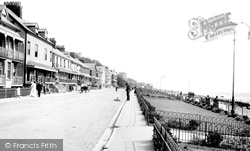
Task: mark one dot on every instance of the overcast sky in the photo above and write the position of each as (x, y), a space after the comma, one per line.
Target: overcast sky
(149, 39)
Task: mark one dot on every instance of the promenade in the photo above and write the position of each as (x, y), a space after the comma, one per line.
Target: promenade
(130, 131)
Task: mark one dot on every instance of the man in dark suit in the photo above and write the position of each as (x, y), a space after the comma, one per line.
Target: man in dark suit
(39, 87)
(127, 91)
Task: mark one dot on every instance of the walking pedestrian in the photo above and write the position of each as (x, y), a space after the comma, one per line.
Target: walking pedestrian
(44, 88)
(33, 89)
(127, 91)
(39, 88)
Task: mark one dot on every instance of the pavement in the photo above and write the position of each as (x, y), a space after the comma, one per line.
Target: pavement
(128, 131)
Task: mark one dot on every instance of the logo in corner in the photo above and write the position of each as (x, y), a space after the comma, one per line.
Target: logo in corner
(210, 28)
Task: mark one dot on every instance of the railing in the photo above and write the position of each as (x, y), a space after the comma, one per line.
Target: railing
(32, 78)
(11, 92)
(19, 55)
(9, 53)
(162, 139)
(16, 80)
(41, 78)
(2, 79)
(3, 52)
(189, 127)
(144, 107)
(62, 80)
(50, 79)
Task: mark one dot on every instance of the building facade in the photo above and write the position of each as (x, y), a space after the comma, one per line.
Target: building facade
(11, 51)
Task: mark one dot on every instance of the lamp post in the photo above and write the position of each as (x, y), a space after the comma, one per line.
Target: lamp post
(233, 110)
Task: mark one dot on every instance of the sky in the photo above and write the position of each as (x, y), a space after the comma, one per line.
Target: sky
(149, 40)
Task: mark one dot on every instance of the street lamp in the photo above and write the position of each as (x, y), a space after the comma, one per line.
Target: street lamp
(233, 110)
(248, 29)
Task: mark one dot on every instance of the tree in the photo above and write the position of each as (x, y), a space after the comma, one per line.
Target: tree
(120, 81)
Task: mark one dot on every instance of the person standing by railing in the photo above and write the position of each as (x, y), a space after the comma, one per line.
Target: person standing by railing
(127, 91)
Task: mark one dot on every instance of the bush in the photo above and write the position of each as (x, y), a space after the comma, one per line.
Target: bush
(245, 117)
(198, 141)
(238, 144)
(247, 122)
(193, 124)
(214, 139)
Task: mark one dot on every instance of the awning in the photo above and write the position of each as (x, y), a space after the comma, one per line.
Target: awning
(32, 64)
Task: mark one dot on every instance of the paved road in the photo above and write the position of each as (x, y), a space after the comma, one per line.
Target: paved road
(78, 119)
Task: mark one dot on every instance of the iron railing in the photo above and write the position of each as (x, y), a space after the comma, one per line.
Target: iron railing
(2, 79)
(162, 139)
(17, 80)
(49, 79)
(19, 55)
(187, 127)
(9, 53)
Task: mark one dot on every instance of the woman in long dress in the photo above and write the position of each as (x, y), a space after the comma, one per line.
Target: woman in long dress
(33, 89)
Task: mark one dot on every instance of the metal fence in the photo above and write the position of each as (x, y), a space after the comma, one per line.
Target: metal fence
(11, 92)
(190, 127)
(162, 139)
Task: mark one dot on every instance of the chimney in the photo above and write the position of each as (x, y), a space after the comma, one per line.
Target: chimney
(60, 47)
(53, 40)
(15, 7)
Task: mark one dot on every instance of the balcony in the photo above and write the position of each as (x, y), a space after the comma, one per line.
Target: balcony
(3, 52)
(50, 79)
(16, 80)
(8, 53)
(71, 81)
(18, 56)
(62, 80)
(32, 78)
(2, 79)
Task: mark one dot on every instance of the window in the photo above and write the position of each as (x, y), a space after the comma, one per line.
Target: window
(36, 50)
(28, 47)
(9, 70)
(50, 56)
(60, 62)
(56, 61)
(1, 68)
(64, 64)
(45, 54)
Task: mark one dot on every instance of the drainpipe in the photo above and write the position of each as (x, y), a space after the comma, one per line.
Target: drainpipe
(24, 63)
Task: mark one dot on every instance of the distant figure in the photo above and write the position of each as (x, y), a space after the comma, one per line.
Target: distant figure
(39, 88)
(116, 88)
(33, 89)
(216, 102)
(127, 91)
(208, 100)
(44, 88)
(18, 92)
